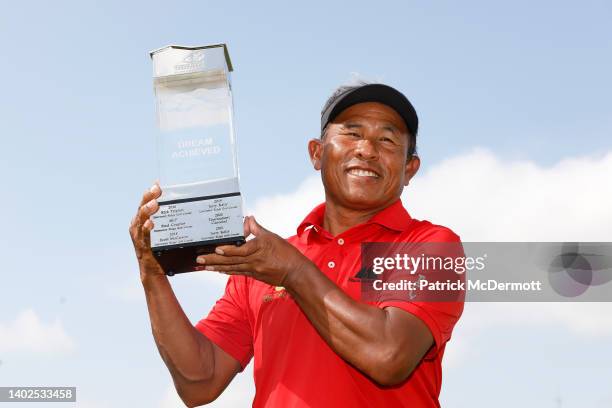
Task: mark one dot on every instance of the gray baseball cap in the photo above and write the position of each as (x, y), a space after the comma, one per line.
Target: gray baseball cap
(371, 93)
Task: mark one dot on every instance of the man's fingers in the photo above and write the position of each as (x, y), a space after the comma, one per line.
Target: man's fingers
(238, 269)
(246, 249)
(153, 193)
(148, 226)
(247, 230)
(254, 227)
(216, 259)
(146, 233)
(135, 229)
(147, 210)
(141, 225)
(148, 205)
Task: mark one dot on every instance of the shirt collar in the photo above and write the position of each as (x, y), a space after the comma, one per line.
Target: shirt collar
(313, 220)
(394, 217)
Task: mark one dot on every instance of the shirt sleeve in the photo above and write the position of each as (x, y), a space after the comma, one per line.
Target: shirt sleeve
(228, 325)
(440, 317)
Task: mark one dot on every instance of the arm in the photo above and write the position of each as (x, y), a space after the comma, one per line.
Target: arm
(385, 344)
(200, 370)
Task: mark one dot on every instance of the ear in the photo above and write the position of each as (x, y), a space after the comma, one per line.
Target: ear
(315, 150)
(412, 166)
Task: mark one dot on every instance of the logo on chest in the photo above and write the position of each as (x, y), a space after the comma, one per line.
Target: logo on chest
(279, 293)
(364, 274)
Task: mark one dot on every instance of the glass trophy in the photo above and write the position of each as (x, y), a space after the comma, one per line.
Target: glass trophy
(201, 205)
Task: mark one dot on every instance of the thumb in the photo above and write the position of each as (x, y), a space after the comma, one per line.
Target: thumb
(254, 227)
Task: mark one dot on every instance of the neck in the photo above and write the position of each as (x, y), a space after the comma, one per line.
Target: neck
(339, 218)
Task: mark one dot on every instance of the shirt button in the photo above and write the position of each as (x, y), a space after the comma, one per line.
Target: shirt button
(340, 241)
(331, 264)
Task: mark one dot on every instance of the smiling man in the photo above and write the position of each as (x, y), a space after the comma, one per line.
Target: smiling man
(295, 305)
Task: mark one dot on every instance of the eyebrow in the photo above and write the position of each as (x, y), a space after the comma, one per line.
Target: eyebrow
(352, 125)
(391, 128)
(355, 125)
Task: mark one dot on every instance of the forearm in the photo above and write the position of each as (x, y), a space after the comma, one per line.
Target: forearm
(357, 332)
(188, 355)
(199, 370)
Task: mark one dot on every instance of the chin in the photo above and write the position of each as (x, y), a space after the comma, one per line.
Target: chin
(363, 201)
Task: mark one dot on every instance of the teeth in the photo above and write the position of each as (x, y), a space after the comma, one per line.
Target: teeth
(362, 173)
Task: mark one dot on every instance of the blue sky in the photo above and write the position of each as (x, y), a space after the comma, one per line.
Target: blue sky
(528, 82)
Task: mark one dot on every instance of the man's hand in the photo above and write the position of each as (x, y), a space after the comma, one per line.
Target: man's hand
(267, 257)
(140, 231)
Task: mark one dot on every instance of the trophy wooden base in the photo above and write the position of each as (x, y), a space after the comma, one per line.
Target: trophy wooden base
(182, 258)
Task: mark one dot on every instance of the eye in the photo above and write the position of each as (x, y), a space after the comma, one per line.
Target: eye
(353, 134)
(387, 139)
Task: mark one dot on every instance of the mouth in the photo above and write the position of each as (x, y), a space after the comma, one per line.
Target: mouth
(362, 172)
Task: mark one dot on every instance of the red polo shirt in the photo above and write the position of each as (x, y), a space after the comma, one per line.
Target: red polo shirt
(294, 366)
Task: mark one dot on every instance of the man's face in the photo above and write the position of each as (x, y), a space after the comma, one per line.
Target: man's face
(363, 157)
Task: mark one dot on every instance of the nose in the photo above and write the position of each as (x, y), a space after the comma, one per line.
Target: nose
(366, 150)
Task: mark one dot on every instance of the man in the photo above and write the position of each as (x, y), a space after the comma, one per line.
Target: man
(295, 305)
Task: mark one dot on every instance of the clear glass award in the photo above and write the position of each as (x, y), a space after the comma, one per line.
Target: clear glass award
(201, 205)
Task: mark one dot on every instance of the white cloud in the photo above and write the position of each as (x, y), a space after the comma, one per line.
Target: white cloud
(581, 319)
(483, 198)
(281, 213)
(28, 333)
